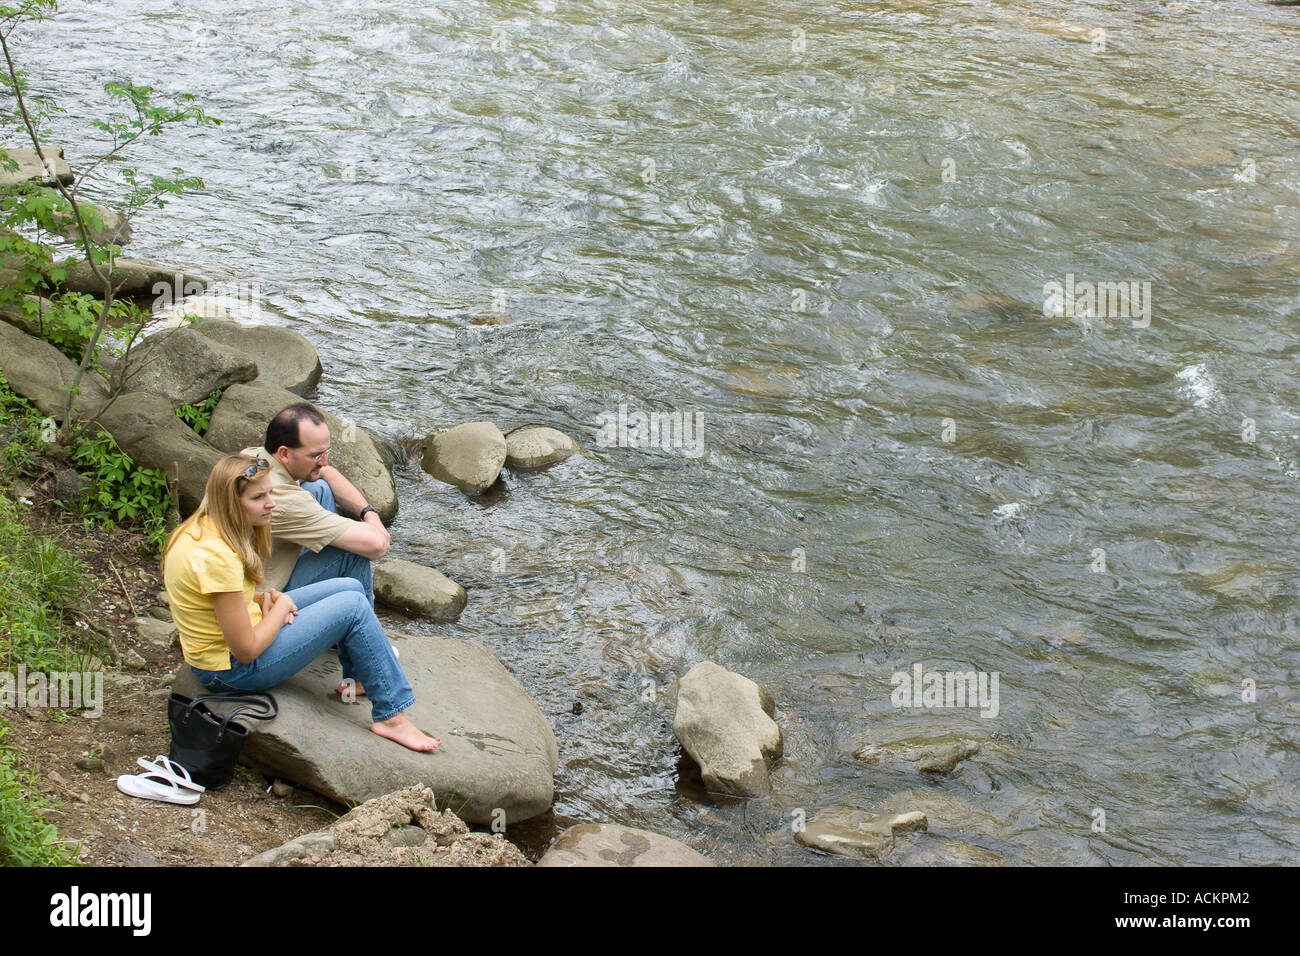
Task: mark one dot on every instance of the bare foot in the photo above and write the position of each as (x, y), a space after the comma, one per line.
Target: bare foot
(400, 730)
(357, 689)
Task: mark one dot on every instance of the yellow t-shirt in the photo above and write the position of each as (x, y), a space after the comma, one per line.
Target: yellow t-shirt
(199, 565)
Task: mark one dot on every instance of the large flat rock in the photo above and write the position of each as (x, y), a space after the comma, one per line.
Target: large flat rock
(36, 169)
(239, 421)
(498, 750)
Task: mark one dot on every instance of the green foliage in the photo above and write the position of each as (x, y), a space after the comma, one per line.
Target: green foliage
(199, 417)
(120, 491)
(26, 839)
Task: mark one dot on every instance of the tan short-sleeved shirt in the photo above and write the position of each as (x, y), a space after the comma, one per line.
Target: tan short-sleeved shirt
(298, 521)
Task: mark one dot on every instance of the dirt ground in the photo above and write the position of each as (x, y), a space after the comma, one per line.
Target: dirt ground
(108, 827)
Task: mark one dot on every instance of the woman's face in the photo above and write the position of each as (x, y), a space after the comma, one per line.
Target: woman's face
(257, 501)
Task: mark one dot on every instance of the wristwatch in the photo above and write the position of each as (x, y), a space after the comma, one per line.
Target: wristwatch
(362, 516)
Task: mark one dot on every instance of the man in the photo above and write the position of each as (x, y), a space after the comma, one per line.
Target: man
(310, 540)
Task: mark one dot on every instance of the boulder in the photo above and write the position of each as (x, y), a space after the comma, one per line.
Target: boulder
(849, 831)
(498, 753)
(469, 456)
(32, 168)
(157, 632)
(183, 366)
(132, 278)
(538, 447)
(724, 722)
(40, 372)
(11, 262)
(403, 828)
(16, 316)
(938, 755)
(239, 421)
(284, 357)
(418, 590)
(104, 225)
(608, 844)
(145, 426)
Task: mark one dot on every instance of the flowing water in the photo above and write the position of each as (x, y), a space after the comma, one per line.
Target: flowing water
(830, 230)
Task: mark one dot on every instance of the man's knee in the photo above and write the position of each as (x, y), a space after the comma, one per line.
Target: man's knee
(321, 491)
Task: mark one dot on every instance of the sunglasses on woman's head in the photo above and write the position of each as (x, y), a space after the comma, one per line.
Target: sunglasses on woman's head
(259, 466)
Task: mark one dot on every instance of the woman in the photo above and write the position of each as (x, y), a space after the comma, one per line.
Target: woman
(234, 642)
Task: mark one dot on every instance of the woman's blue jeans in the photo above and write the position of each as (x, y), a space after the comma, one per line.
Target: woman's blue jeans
(330, 612)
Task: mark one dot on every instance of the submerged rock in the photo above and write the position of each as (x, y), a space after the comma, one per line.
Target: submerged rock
(608, 844)
(850, 831)
(498, 754)
(418, 590)
(538, 447)
(469, 456)
(724, 722)
(403, 828)
(183, 366)
(939, 755)
(239, 421)
(284, 357)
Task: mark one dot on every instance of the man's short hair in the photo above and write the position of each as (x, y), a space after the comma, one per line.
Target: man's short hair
(283, 429)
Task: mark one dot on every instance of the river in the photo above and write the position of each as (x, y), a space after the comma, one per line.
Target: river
(831, 231)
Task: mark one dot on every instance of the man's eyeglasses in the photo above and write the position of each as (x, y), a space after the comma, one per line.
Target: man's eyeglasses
(253, 470)
(317, 458)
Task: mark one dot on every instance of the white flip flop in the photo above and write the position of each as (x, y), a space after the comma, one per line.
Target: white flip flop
(154, 786)
(165, 767)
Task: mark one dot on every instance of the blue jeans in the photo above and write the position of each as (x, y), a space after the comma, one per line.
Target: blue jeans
(329, 562)
(329, 612)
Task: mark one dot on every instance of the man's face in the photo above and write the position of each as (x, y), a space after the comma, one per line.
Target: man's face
(305, 462)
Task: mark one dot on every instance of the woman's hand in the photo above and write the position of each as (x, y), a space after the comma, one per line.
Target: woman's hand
(283, 608)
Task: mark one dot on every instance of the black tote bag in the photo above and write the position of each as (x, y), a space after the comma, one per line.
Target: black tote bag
(207, 744)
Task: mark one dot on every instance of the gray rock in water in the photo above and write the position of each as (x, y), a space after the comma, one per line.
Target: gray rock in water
(104, 225)
(183, 366)
(849, 831)
(43, 171)
(132, 278)
(724, 722)
(418, 590)
(608, 844)
(538, 447)
(147, 429)
(40, 372)
(469, 456)
(498, 752)
(240, 419)
(284, 357)
(939, 755)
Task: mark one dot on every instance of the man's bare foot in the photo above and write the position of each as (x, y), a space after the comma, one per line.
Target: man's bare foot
(357, 689)
(400, 730)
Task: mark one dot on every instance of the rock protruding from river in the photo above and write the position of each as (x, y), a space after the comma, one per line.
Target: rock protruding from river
(538, 447)
(608, 844)
(42, 170)
(104, 225)
(498, 754)
(849, 831)
(418, 590)
(132, 278)
(284, 357)
(403, 828)
(38, 371)
(939, 755)
(183, 366)
(239, 421)
(724, 722)
(469, 456)
(146, 428)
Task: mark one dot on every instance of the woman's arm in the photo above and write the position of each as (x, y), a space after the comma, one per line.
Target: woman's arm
(246, 642)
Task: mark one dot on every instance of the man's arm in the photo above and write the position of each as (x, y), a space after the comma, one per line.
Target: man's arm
(368, 537)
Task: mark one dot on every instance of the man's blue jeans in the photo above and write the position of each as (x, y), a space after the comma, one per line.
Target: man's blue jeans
(329, 612)
(329, 562)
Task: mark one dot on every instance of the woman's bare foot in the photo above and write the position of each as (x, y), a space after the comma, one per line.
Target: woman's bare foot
(356, 689)
(400, 730)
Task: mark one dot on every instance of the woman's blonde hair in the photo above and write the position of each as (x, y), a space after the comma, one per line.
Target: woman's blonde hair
(221, 506)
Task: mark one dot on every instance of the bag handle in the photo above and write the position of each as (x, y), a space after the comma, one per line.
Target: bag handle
(258, 706)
